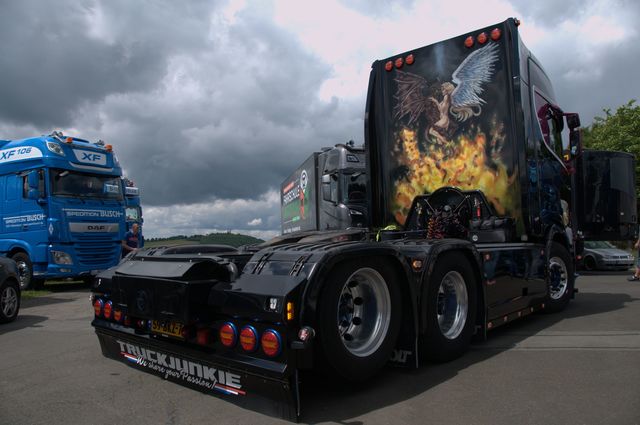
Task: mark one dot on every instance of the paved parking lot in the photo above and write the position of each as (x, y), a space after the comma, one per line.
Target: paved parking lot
(581, 366)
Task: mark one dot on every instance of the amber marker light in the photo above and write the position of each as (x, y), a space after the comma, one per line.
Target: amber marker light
(409, 60)
(399, 62)
(388, 66)
(495, 34)
(482, 38)
(468, 42)
(290, 311)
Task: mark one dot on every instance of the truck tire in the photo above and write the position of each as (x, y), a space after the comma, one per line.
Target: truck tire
(450, 299)
(359, 318)
(25, 270)
(9, 300)
(560, 279)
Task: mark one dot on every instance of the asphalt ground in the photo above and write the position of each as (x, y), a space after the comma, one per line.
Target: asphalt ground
(581, 366)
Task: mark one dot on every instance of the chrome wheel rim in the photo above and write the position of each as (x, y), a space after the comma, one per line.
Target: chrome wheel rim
(452, 305)
(9, 301)
(23, 273)
(558, 278)
(364, 312)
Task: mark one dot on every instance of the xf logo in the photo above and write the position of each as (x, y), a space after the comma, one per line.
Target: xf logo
(93, 157)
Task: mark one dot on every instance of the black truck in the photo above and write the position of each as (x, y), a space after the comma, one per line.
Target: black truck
(478, 203)
(326, 192)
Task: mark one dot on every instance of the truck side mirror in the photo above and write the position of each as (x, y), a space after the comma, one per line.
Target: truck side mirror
(575, 136)
(33, 194)
(33, 180)
(326, 187)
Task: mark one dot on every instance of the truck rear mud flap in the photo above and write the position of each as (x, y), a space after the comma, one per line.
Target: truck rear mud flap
(264, 392)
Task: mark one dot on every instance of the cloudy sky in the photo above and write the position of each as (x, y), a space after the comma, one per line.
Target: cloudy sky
(211, 104)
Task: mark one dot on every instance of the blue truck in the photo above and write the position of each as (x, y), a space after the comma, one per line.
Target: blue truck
(62, 207)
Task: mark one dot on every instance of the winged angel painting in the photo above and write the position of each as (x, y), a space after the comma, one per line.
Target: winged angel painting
(443, 139)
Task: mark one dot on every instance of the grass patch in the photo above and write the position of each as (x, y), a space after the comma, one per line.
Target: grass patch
(30, 293)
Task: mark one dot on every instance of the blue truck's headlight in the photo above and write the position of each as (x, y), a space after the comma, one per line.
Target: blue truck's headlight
(55, 148)
(61, 257)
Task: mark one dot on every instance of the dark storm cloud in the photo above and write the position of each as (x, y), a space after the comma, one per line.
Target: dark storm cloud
(56, 57)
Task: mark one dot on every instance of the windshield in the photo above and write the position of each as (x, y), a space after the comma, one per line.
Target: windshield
(133, 213)
(598, 245)
(354, 188)
(81, 185)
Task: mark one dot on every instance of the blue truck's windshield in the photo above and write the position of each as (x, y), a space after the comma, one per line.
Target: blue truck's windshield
(81, 185)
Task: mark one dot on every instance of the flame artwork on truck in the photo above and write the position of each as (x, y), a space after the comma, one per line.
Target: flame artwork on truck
(444, 139)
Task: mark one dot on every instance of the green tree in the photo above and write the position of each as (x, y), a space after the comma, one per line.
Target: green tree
(619, 131)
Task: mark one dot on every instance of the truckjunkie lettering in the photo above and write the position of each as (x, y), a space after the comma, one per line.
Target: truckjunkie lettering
(186, 370)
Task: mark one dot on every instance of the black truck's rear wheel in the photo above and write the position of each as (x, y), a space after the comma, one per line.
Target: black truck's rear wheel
(450, 302)
(359, 318)
(559, 278)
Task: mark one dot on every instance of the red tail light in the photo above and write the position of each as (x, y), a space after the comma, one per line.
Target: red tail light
(228, 334)
(117, 315)
(249, 339)
(271, 343)
(98, 304)
(108, 308)
(203, 335)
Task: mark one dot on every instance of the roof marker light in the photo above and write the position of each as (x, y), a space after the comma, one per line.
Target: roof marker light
(482, 38)
(468, 42)
(388, 66)
(68, 140)
(109, 148)
(495, 34)
(399, 62)
(409, 60)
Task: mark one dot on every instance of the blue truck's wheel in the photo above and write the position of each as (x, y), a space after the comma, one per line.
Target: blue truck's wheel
(560, 278)
(360, 312)
(9, 301)
(449, 303)
(25, 270)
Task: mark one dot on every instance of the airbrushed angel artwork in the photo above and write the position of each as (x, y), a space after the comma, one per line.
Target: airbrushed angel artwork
(442, 138)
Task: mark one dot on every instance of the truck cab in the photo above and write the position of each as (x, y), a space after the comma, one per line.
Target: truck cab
(327, 192)
(62, 207)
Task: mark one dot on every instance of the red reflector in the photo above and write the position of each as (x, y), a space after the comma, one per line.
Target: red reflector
(399, 62)
(127, 321)
(141, 323)
(388, 66)
(228, 335)
(482, 38)
(97, 307)
(108, 307)
(249, 339)
(271, 343)
(409, 60)
(495, 34)
(468, 42)
(203, 336)
(117, 315)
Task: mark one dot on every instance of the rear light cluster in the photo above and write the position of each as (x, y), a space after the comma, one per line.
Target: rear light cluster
(483, 37)
(105, 310)
(250, 340)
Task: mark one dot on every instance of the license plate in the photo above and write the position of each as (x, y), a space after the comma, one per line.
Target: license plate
(167, 327)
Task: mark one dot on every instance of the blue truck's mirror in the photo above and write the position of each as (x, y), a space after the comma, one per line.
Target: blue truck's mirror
(33, 179)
